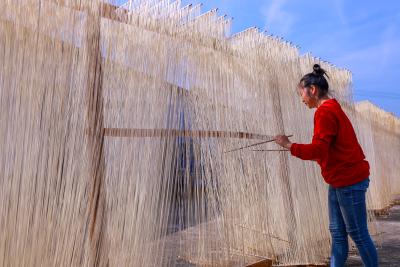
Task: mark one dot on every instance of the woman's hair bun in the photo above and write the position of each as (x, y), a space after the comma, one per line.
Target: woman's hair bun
(318, 70)
(317, 78)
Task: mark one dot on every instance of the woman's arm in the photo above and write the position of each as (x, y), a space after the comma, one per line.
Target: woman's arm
(325, 130)
(314, 151)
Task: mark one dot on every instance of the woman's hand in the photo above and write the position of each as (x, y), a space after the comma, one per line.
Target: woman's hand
(283, 141)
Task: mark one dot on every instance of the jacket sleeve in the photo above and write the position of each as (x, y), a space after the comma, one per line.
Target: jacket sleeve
(325, 130)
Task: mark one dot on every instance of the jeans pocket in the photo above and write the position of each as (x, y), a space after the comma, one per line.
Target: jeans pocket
(358, 196)
(362, 186)
(352, 196)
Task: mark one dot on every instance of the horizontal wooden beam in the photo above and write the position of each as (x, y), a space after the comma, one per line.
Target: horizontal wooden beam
(303, 265)
(263, 263)
(141, 133)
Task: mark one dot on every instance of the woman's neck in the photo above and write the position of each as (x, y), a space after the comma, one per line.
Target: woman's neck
(322, 100)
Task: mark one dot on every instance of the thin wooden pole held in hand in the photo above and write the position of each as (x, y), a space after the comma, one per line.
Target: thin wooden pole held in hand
(256, 144)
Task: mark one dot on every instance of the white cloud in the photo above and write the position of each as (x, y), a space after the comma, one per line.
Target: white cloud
(390, 44)
(339, 7)
(374, 56)
(374, 59)
(278, 20)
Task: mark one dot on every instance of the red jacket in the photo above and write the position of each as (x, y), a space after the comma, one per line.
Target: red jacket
(335, 147)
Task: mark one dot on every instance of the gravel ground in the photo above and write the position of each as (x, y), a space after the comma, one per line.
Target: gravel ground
(389, 252)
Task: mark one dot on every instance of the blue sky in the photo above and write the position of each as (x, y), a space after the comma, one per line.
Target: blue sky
(360, 35)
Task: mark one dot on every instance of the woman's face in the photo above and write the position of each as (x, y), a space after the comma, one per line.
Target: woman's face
(308, 95)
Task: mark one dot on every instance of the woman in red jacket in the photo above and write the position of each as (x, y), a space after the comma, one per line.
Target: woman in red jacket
(343, 166)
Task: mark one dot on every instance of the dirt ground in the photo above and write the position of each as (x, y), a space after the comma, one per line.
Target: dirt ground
(389, 251)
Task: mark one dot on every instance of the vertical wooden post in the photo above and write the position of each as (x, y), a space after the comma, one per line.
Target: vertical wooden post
(97, 198)
(283, 171)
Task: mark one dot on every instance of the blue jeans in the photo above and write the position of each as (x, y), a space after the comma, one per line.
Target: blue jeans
(348, 216)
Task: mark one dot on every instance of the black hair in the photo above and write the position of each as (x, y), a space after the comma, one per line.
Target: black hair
(317, 78)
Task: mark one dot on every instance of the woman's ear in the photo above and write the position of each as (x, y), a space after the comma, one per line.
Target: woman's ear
(313, 90)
